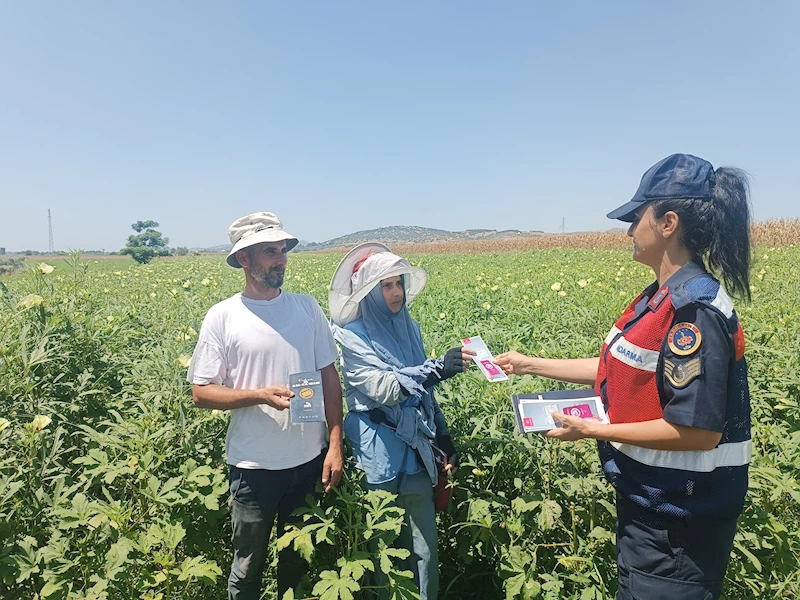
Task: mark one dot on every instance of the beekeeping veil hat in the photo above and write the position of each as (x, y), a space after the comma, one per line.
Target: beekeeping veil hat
(372, 262)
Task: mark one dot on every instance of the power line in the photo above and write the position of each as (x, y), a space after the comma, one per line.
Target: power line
(50, 246)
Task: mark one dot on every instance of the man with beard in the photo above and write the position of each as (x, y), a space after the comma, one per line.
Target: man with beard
(248, 347)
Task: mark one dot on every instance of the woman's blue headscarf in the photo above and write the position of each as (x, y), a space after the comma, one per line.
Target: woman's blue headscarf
(395, 337)
(397, 342)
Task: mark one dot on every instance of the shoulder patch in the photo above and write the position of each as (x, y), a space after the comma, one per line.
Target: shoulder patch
(684, 339)
(682, 374)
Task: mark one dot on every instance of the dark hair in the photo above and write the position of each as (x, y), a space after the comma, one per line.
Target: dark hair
(718, 229)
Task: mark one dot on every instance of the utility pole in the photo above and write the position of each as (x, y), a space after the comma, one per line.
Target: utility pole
(563, 224)
(50, 247)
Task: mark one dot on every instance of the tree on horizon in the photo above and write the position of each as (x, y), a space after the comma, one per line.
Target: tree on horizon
(147, 243)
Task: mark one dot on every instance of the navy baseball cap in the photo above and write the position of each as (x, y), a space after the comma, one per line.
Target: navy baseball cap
(676, 177)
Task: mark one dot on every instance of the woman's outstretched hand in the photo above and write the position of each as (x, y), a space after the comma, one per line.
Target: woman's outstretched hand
(456, 360)
(513, 363)
(466, 357)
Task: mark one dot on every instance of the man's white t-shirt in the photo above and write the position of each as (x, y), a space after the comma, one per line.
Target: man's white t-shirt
(251, 344)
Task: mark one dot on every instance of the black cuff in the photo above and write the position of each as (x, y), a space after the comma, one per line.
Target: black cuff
(445, 444)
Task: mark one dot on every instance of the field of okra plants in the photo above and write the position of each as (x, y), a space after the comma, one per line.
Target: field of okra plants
(114, 486)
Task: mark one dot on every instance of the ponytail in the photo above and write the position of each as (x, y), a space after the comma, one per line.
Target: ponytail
(718, 229)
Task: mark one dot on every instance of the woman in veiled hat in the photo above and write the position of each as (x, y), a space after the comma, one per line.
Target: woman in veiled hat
(395, 426)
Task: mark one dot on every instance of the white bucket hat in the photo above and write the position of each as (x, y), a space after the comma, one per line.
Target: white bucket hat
(254, 229)
(348, 289)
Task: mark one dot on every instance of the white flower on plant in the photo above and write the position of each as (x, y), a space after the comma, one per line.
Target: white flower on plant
(582, 283)
(44, 268)
(562, 293)
(442, 315)
(556, 287)
(110, 318)
(4, 423)
(487, 306)
(206, 282)
(40, 422)
(184, 360)
(537, 302)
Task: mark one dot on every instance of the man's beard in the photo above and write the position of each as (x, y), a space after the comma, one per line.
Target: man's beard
(272, 278)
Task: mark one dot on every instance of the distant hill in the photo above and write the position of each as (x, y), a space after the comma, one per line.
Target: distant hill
(401, 234)
(411, 234)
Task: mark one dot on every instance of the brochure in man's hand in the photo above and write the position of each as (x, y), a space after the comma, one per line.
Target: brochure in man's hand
(307, 404)
(534, 411)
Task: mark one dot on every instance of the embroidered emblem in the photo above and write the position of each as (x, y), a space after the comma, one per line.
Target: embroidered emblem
(682, 374)
(656, 301)
(684, 339)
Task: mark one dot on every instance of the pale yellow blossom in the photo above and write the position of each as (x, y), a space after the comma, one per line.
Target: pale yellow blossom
(44, 268)
(4, 423)
(30, 301)
(40, 422)
(556, 287)
(582, 283)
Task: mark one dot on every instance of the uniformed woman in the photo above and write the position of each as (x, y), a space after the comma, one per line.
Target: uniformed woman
(673, 378)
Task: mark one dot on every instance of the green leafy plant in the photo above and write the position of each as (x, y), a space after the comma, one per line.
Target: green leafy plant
(113, 485)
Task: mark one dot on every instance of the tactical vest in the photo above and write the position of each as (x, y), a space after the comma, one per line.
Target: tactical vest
(706, 484)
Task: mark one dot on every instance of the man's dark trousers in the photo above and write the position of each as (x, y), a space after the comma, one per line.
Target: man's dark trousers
(259, 495)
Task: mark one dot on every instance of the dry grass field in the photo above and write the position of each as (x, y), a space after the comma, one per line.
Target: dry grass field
(770, 234)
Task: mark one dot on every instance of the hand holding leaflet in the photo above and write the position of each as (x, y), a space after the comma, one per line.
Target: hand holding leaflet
(484, 359)
(534, 412)
(307, 404)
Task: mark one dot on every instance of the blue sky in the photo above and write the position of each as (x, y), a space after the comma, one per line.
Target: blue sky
(353, 115)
